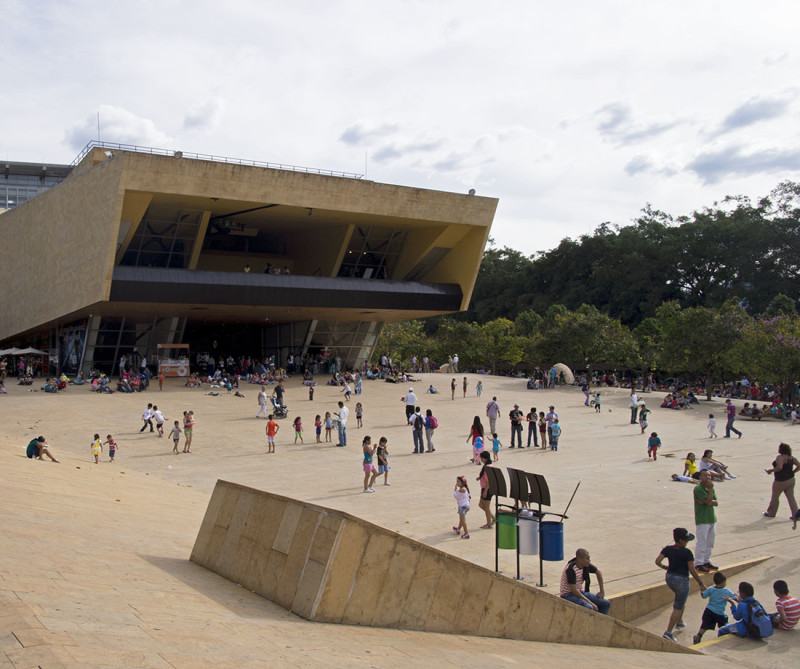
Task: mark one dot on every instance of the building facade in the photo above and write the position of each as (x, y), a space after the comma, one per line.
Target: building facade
(140, 247)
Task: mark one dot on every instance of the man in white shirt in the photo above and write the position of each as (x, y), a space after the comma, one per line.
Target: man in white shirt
(455, 363)
(342, 415)
(411, 401)
(634, 406)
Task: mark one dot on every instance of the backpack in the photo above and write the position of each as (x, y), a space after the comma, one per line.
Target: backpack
(433, 423)
(757, 622)
(418, 422)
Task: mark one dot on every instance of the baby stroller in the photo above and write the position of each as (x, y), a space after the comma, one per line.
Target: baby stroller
(279, 410)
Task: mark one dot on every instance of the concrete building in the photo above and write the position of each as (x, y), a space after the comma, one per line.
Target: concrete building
(139, 247)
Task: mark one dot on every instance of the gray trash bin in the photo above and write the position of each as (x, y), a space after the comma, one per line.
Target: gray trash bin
(528, 536)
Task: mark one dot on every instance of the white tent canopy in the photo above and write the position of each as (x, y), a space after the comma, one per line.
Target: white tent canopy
(22, 351)
(569, 377)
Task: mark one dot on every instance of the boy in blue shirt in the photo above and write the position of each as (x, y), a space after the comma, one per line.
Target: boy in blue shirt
(753, 620)
(653, 444)
(496, 446)
(714, 614)
(555, 433)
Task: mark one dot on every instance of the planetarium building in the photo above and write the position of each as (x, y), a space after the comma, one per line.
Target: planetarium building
(130, 248)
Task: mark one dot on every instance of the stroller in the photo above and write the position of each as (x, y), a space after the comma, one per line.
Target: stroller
(279, 410)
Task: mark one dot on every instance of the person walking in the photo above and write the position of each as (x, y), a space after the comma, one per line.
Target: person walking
(492, 412)
(784, 467)
(262, 402)
(411, 401)
(417, 423)
(730, 411)
(476, 433)
(705, 499)
(430, 425)
(680, 564)
(485, 502)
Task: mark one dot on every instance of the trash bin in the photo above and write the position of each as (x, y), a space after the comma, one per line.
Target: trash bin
(552, 541)
(506, 531)
(528, 536)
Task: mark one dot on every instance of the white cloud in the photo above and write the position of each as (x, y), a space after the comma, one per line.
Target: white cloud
(116, 125)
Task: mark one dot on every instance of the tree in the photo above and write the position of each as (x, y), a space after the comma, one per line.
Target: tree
(585, 337)
(401, 341)
(769, 348)
(699, 340)
(497, 343)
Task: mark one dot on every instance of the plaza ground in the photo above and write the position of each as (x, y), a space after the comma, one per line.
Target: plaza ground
(94, 568)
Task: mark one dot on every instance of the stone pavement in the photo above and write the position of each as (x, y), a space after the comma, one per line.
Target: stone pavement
(95, 568)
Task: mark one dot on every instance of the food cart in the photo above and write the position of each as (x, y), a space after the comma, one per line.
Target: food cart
(173, 359)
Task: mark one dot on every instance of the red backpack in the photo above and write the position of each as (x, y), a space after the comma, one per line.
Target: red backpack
(433, 422)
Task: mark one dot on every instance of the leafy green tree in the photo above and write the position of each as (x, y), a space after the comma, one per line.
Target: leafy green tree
(585, 338)
(700, 340)
(497, 342)
(769, 349)
(456, 337)
(401, 341)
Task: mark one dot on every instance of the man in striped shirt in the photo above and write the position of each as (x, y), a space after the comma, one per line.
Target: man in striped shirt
(788, 613)
(575, 583)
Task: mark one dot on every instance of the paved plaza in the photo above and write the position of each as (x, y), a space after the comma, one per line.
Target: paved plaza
(94, 569)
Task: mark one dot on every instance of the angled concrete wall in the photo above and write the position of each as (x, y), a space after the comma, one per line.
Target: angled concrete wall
(329, 566)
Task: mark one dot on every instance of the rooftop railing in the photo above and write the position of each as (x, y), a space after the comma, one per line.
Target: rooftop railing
(113, 146)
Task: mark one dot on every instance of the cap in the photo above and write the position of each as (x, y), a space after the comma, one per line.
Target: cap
(516, 405)
(411, 390)
(682, 534)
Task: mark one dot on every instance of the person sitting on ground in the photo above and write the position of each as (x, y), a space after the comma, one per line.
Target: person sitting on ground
(79, 380)
(717, 469)
(788, 614)
(577, 573)
(51, 386)
(753, 620)
(38, 448)
(690, 467)
(433, 390)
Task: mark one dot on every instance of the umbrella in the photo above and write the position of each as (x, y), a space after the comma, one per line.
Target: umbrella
(29, 351)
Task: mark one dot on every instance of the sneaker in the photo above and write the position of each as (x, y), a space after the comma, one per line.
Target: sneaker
(456, 530)
(387, 483)
(680, 625)
(369, 490)
(696, 639)
(703, 569)
(670, 636)
(711, 567)
(465, 536)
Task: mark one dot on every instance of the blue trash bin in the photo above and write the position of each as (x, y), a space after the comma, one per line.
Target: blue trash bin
(552, 541)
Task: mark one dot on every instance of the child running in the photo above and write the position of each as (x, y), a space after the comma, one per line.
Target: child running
(328, 426)
(176, 436)
(359, 414)
(597, 402)
(298, 430)
(97, 448)
(383, 460)
(496, 446)
(112, 447)
(461, 493)
(318, 428)
(712, 426)
(653, 444)
(714, 614)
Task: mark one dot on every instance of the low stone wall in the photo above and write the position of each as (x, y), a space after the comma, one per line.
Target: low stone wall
(328, 566)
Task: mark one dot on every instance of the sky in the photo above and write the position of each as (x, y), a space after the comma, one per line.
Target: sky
(572, 114)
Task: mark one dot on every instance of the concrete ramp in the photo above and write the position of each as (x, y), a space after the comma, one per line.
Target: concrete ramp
(328, 566)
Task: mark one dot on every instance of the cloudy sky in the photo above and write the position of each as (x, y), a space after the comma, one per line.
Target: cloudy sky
(571, 113)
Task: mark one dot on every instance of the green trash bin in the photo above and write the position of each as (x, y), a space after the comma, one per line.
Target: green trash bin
(507, 531)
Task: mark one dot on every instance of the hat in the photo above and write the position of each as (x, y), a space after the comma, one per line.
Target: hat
(682, 534)
(411, 390)
(516, 405)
